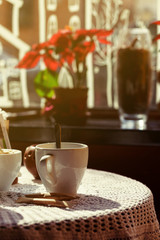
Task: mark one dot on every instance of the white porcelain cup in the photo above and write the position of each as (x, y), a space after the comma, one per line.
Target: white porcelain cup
(61, 169)
(10, 163)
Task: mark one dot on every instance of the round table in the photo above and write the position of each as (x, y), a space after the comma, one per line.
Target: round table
(110, 207)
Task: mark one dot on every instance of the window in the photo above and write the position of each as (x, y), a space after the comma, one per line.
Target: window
(52, 5)
(73, 5)
(23, 23)
(52, 26)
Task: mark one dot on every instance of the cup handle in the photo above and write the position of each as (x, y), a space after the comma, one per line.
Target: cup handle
(47, 165)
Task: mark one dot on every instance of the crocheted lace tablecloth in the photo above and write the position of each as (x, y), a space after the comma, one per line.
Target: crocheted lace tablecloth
(110, 207)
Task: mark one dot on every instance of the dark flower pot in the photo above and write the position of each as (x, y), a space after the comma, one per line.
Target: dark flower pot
(69, 105)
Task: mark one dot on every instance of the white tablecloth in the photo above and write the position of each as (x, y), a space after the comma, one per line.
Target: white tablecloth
(110, 207)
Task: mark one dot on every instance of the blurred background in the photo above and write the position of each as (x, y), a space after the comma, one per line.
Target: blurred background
(25, 22)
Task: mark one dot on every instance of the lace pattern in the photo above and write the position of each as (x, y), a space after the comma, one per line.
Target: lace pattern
(110, 207)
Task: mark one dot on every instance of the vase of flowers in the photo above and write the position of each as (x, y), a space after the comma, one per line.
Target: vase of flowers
(65, 50)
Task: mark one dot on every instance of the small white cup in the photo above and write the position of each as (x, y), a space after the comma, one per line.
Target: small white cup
(10, 163)
(61, 169)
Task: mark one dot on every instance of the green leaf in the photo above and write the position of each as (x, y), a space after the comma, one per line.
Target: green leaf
(44, 82)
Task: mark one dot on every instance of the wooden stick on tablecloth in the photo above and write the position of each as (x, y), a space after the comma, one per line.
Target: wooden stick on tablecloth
(43, 201)
(56, 196)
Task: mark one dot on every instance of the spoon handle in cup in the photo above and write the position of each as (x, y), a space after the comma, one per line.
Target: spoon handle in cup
(58, 135)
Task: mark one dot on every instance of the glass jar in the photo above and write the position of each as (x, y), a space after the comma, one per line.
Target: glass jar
(134, 78)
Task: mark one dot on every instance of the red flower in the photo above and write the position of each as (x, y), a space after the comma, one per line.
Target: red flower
(63, 48)
(158, 36)
(30, 60)
(67, 56)
(101, 34)
(82, 51)
(61, 40)
(51, 63)
(40, 46)
(156, 22)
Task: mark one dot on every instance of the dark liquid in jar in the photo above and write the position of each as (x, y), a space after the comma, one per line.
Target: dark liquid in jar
(134, 80)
